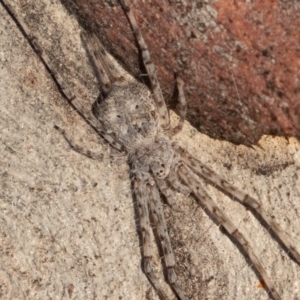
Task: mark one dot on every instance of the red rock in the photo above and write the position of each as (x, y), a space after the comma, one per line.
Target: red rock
(240, 61)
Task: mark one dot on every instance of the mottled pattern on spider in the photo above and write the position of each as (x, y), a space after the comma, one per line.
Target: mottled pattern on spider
(133, 119)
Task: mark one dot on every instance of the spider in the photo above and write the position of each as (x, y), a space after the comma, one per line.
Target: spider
(134, 120)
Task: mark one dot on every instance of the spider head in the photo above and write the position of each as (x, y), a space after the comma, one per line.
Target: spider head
(159, 168)
(161, 158)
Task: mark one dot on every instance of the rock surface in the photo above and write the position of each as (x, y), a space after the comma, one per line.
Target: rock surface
(239, 60)
(67, 223)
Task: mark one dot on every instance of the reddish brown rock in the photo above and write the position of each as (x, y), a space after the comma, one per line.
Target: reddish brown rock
(240, 61)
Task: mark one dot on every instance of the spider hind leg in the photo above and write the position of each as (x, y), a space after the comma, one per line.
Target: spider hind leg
(181, 108)
(157, 93)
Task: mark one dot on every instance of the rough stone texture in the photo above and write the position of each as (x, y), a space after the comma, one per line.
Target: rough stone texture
(67, 223)
(239, 60)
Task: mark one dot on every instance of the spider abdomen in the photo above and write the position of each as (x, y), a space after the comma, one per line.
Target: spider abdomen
(132, 119)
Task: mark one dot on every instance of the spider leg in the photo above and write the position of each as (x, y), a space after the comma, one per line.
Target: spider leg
(103, 68)
(90, 119)
(79, 149)
(156, 209)
(177, 185)
(142, 197)
(181, 107)
(87, 153)
(241, 196)
(157, 93)
(98, 59)
(193, 182)
(164, 188)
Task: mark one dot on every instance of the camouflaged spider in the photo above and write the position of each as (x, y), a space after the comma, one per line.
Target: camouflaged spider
(132, 119)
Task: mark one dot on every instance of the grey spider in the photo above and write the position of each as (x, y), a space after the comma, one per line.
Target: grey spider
(133, 120)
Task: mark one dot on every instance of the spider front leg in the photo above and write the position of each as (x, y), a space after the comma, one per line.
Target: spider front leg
(193, 182)
(157, 213)
(241, 197)
(142, 197)
(176, 183)
(166, 191)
